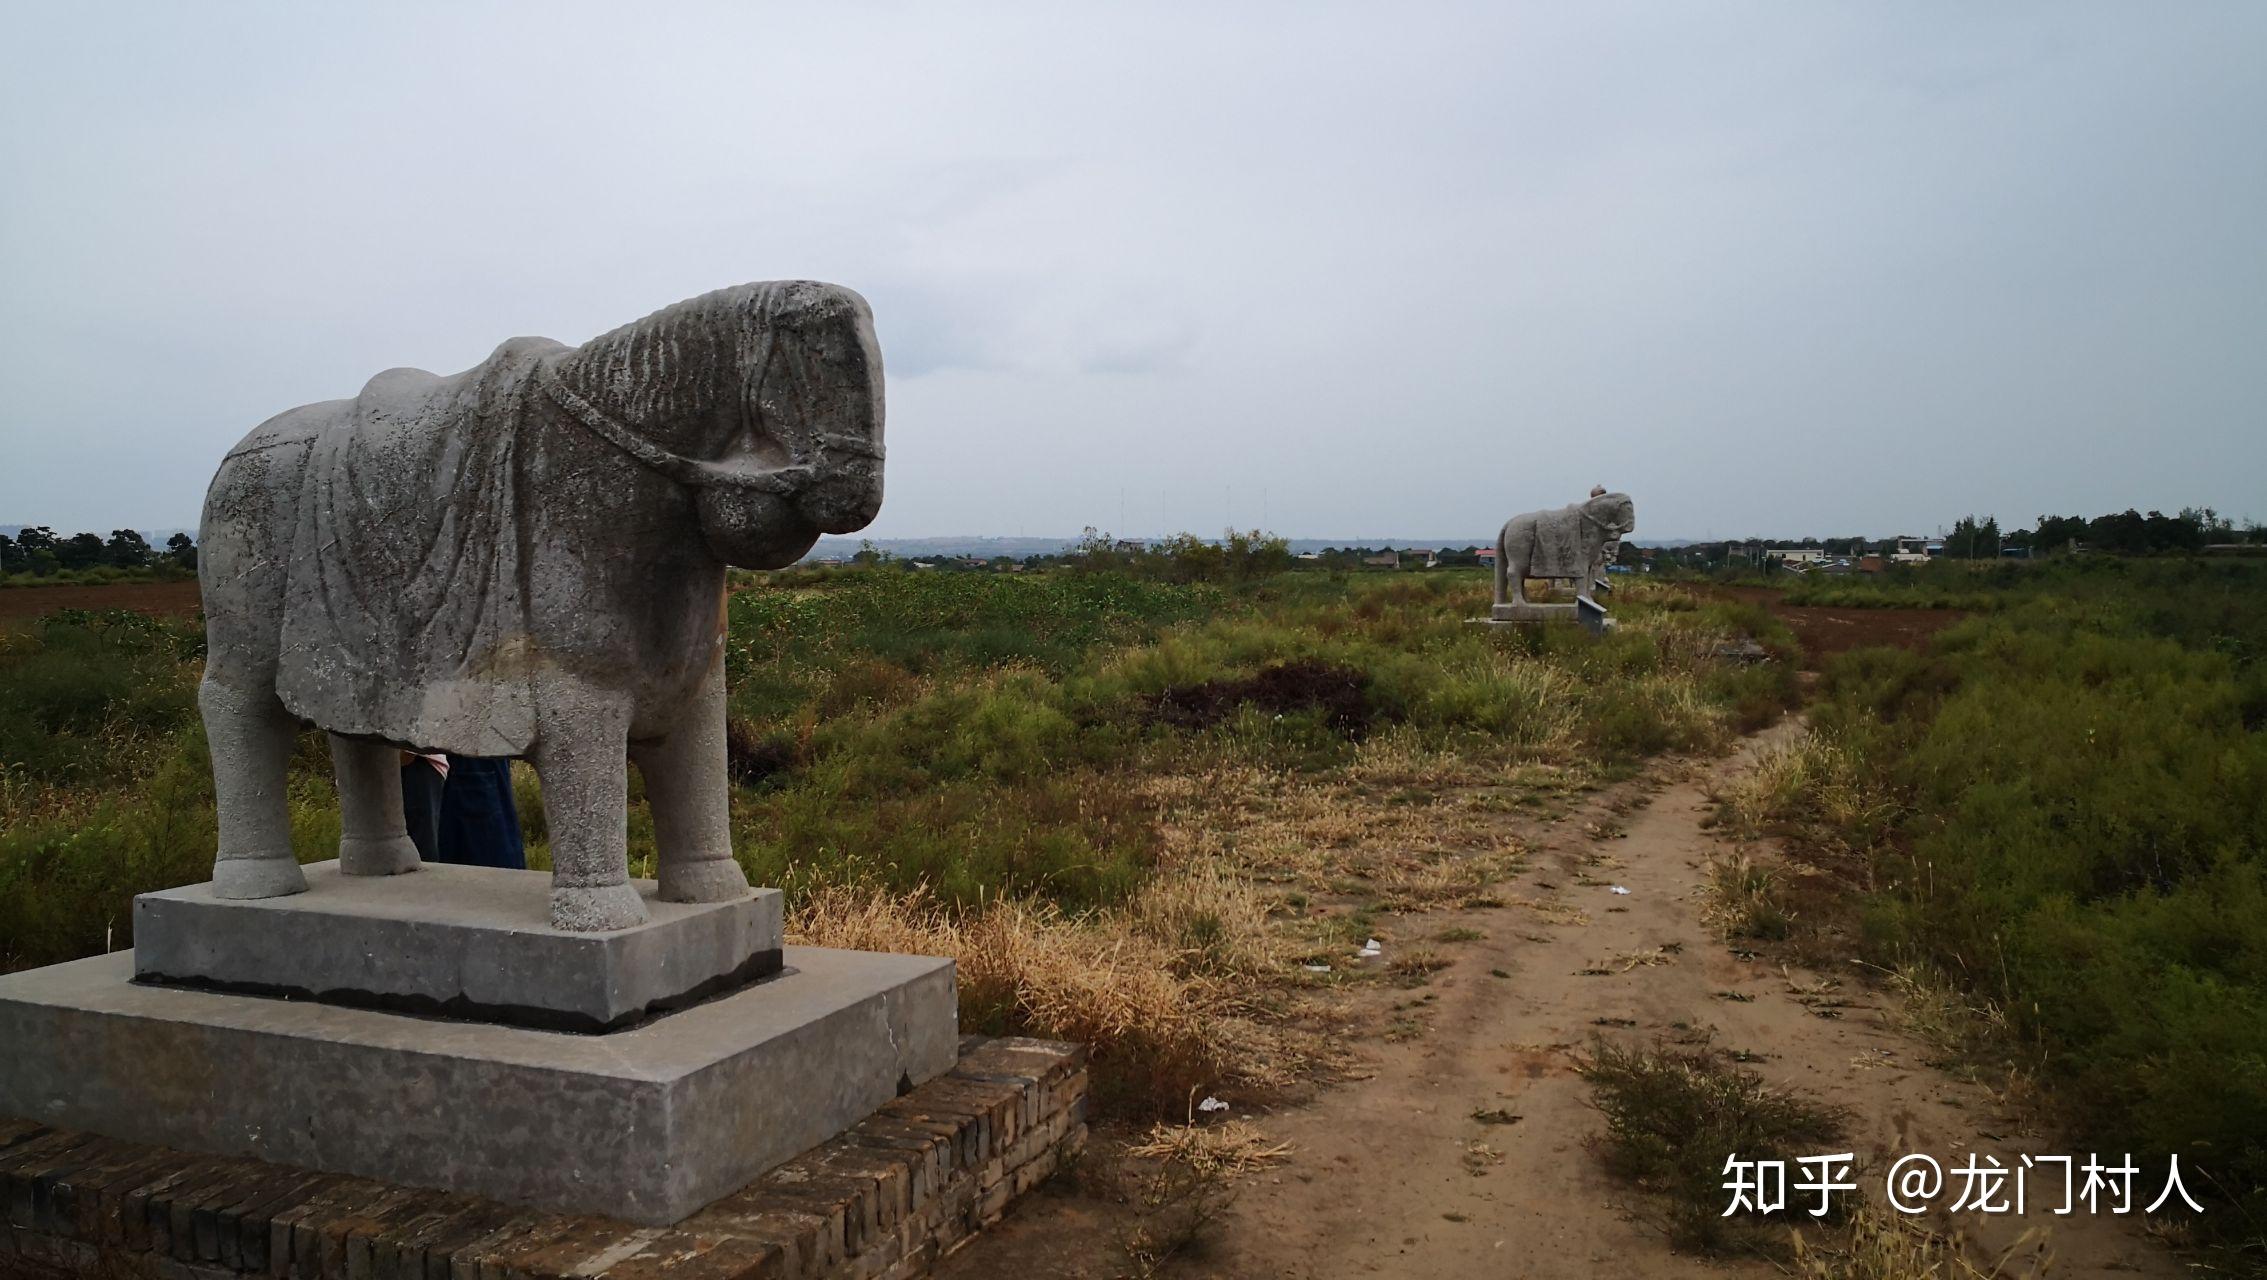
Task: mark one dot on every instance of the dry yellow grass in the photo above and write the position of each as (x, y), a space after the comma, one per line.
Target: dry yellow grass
(1686, 641)
(1031, 970)
(1744, 899)
(1305, 827)
(1809, 782)
(1212, 921)
(1228, 1149)
(1887, 1246)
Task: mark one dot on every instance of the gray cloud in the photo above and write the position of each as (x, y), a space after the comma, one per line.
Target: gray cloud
(1353, 270)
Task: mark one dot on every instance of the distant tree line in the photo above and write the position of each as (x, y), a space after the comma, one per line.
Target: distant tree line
(2131, 533)
(40, 552)
(1972, 537)
(2126, 532)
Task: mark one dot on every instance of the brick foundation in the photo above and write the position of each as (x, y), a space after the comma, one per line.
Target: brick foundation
(887, 1198)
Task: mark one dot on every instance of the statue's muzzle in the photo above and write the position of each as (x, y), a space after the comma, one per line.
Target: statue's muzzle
(843, 499)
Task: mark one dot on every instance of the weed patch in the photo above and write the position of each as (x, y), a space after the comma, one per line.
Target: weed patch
(1675, 1113)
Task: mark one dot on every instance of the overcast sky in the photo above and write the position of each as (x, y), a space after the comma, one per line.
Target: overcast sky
(1361, 270)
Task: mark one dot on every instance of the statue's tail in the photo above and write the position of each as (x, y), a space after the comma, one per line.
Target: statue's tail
(1503, 561)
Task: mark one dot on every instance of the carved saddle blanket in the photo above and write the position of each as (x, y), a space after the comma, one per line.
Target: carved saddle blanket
(406, 592)
(1562, 544)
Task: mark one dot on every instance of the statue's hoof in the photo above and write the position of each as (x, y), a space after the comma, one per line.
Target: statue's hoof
(380, 856)
(713, 880)
(591, 908)
(257, 878)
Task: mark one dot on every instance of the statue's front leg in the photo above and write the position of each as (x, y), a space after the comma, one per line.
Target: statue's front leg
(581, 756)
(691, 796)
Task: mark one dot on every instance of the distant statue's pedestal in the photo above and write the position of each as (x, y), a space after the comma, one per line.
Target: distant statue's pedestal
(431, 1029)
(1583, 610)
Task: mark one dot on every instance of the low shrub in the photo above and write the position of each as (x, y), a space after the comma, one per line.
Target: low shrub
(2064, 808)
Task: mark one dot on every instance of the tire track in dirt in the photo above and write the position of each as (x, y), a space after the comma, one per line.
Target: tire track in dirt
(1384, 1181)
(1391, 1173)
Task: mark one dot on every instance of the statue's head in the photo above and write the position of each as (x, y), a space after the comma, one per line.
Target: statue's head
(809, 422)
(1613, 512)
(764, 399)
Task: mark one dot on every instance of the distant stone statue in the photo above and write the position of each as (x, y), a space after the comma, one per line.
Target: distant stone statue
(1572, 542)
(527, 559)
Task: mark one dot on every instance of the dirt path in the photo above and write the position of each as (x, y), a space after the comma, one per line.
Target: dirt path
(1394, 1176)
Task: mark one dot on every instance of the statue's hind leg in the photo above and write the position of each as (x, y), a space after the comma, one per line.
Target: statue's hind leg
(373, 838)
(691, 796)
(250, 735)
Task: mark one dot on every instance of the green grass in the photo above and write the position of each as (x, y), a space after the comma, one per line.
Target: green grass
(2066, 814)
(83, 689)
(162, 570)
(970, 735)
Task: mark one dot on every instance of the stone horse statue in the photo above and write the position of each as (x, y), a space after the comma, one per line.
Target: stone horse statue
(527, 559)
(1572, 542)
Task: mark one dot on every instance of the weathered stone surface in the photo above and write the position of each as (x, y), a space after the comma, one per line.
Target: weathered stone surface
(467, 942)
(527, 559)
(646, 1124)
(293, 1223)
(1572, 542)
(1584, 610)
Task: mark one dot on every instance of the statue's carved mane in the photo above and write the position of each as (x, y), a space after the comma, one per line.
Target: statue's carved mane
(678, 363)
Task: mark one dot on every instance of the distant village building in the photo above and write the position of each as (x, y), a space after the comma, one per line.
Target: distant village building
(1383, 560)
(1798, 555)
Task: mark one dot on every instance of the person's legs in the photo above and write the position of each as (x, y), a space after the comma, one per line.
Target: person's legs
(479, 823)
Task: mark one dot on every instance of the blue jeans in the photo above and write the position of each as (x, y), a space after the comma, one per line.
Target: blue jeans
(469, 819)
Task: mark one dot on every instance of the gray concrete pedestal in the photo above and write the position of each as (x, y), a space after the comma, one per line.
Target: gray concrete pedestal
(464, 942)
(1582, 609)
(646, 1124)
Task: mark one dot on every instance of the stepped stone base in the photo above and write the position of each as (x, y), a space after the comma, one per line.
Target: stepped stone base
(646, 1124)
(464, 942)
(887, 1198)
(1582, 609)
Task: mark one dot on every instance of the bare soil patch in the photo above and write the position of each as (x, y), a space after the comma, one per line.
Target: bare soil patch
(178, 599)
(1340, 693)
(1824, 632)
